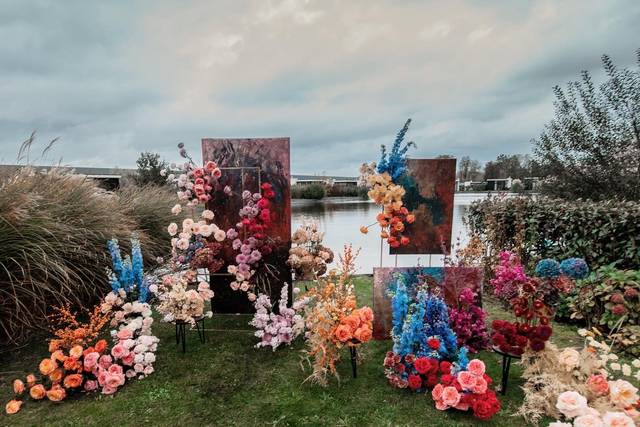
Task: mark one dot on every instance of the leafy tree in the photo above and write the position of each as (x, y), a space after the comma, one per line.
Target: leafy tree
(150, 169)
(591, 148)
(505, 166)
(469, 170)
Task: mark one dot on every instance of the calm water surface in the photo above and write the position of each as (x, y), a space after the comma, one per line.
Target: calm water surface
(341, 219)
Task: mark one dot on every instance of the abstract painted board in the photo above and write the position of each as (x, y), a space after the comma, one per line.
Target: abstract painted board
(246, 164)
(430, 187)
(445, 281)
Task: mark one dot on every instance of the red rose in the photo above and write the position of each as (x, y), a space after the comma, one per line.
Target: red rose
(498, 339)
(447, 380)
(415, 382)
(433, 343)
(484, 409)
(422, 365)
(445, 367)
(544, 332)
(400, 368)
(410, 358)
(434, 365)
(537, 345)
(432, 380)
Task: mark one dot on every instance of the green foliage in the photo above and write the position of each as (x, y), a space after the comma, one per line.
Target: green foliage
(53, 232)
(591, 148)
(310, 191)
(609, 299)
(347, 191)
(600, 232)
(150, 167)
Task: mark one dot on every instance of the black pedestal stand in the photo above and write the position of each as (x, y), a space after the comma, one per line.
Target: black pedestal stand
(181, 332)
(354, 361)
(506, 366)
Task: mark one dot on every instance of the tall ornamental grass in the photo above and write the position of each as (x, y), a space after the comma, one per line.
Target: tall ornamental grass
(53, 231)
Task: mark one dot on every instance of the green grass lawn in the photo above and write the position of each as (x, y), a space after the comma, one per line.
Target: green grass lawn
(228, 382)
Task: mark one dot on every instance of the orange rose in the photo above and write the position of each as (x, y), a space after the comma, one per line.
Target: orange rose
(410, 218)
(56, 394)
(343, 333)
(76, 351)
(364, 230)
(31, 380)
(37, 392)
(384, 235)
(88, 350)
(54, 345)
(58, 356)
(73, 381)
(47, 366)
(13, 406)
(352, 321)
(366, 314)
(399, 227)
(56, 375)
(101, 346)
(18, 387)
(350, 304)
(362, 334)
(71, 364)
(380, 217)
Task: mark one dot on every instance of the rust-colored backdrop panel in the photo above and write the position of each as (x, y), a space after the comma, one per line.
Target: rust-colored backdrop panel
(430, 186)
(245, 164)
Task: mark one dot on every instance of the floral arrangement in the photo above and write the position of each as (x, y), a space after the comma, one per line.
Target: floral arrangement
(584, 385)
(275, 329)
(333, 320)
(179, 303)
(468, 321)
(467, 388)
(533, 300)
(386, 192)
(195, 184)
(197, 244)
(309, 257)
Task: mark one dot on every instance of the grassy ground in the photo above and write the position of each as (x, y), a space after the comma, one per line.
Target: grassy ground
(228, 382)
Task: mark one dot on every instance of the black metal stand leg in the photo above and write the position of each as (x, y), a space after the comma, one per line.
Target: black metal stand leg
(177, 335)
(506, 366)
(354, 361)
(200, 328)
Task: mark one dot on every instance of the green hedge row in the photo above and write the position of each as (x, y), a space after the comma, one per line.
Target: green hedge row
(602, 233)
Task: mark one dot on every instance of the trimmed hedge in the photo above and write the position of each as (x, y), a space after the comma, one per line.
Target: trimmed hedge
(602, 233)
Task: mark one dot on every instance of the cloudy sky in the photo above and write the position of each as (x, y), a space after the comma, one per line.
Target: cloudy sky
(112, 79)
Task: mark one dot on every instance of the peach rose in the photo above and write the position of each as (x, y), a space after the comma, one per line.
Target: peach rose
(118, 351)
(343, 333)
(598, 385)
(476, 367)
(54, 345)
(588, 420)
(571, 404)
(18, 387)
(56, 375)
(56, 394)
(47, 366)
(480, 386)
(352, 321)
(450, 396)
(76, 351)
(31, 380)
(13, 406)
(125, 334)
(622, 393)
(569, 359)
(366, 314)
(58, 356)
(467, 380)
(617, 419)
(436, 393)
(73, 381)
(37, 392)
(363, 334)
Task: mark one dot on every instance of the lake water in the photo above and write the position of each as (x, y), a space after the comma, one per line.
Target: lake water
(341, 218)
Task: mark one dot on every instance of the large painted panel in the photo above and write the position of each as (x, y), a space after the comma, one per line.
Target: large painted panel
(430, 187)
(246, 164)
(445, 281)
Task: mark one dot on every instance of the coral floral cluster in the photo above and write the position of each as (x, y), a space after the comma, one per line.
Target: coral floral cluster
(515, 338)
(355, 328)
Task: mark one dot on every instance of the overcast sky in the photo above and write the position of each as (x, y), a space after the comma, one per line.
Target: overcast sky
(115, 78)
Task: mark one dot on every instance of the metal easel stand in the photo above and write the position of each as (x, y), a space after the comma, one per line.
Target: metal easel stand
(181, 332)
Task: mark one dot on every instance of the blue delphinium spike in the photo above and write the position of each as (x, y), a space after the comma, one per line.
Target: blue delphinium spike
(395, 162)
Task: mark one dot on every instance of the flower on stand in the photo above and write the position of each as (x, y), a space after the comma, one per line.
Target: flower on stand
(333, 320)
(309, 257)
(179, 303)
(467, 320)
(194, 183)
(281, 328)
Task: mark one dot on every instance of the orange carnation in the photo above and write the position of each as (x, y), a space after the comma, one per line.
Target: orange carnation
(352, 321)
(101, 346)
(47, 366)
(56, 394)
(343, 333)
(37, 392)
(73, 381)
(18, 387)
(363, 334)
(31, 380)
(56, 375)
(13, 406)
(76, 351)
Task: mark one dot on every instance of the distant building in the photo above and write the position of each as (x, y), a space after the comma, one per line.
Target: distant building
(344, 181)
(108, 178)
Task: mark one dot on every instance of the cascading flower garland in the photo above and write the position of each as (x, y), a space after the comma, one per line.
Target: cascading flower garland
(275, 329)
(386, 192)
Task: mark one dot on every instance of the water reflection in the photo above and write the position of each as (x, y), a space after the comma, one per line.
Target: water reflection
(342, 218)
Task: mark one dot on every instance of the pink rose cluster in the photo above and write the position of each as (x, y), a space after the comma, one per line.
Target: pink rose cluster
(277, 329)
(574, 406)
(509, 275)
(195, 184)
